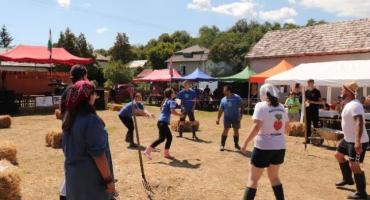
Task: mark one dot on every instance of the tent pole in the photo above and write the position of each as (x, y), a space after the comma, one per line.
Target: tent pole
(304, 116)
(249, 96)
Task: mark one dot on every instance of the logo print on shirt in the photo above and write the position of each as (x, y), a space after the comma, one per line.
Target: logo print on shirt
(186, 96)
(278, 124)
(229, 104)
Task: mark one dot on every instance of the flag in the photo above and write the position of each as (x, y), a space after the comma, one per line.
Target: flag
(170, 67)
(50, 44)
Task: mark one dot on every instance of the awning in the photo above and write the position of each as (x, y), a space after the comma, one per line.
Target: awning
(242, 76)
(197, 75)
(160, 75)
(332, 74)
(41, 54)
(261, 77)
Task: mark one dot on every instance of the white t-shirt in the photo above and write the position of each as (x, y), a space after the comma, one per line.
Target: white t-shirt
(349, 126)
(271, 134)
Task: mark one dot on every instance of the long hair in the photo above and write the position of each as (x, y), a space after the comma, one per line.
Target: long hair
(84, 108)
(273, 101)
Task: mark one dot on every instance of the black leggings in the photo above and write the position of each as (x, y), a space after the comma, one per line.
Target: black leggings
(164, 134)
(129, 123)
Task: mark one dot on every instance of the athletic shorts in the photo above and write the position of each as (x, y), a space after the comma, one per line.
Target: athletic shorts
(189, 114)
(348, 149)
(264, 158)
(235, 125)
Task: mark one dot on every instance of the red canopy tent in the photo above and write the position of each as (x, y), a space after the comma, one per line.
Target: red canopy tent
(41, 54)
(160, 75)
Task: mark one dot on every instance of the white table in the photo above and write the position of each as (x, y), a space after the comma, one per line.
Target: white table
(329, 113)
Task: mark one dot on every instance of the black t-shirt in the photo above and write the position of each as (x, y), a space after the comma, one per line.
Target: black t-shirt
(313, 95)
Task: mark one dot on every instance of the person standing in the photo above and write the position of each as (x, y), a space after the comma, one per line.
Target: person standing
(293, 105)
(232, 107)
(313, 102)
(270, 121)
(167, 108)
(88, 164)
(354, 143)
(188, 102)
(125, 115)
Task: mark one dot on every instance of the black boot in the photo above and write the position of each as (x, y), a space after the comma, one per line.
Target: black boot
(181, 129)
(279, 192)
(223, 141)
(62, 197)
(360, 186)
(249, 193)
(194, 133)
(236, 142)
(346, 173)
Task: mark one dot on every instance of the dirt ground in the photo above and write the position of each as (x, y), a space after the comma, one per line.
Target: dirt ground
(201, 171)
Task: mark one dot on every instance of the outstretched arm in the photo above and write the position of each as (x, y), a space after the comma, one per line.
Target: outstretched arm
(255, 128)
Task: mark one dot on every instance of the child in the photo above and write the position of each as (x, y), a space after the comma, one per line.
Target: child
(167, 108)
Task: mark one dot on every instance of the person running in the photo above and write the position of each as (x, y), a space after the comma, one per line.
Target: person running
(167, 108)
(232, 107)
(77, 73)
(88, 163)
(125, 115)
(269, 124)
(354, 143)
(313, 102)
(293, 105)
(188, 102)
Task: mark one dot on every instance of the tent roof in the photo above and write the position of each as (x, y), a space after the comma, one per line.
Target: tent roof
(160, 75)
(333, 74)
(40, 54)
(241, 76)
(261, 77)
(197, 75)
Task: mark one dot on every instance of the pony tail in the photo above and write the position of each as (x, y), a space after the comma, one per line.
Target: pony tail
(272, 100)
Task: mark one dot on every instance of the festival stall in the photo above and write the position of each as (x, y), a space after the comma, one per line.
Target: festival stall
(33, 90)
(197, 75)
(279, 68)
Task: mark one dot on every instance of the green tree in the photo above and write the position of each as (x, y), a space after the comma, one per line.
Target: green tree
(5, 37)
(117, 73)
(68, 41)
(313, 22)
(139, 52)
(102, 52)
(207, 35)
(165, 37)
(158, 54)
(290, 26)
(85, 49)
(181, 37)
(121, 50)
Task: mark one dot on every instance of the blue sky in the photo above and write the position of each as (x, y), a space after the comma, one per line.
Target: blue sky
(29, 20)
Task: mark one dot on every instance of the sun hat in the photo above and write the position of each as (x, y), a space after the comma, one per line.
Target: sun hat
(351, 86)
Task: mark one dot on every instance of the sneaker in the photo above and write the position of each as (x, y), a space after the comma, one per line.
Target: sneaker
(237, 147)
(222, 148)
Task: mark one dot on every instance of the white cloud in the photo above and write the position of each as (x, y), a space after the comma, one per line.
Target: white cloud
(290, 21)
(347, 8)
(64, 3)
(102, 30)
(280, 14)
(239, 9)
(292, 1)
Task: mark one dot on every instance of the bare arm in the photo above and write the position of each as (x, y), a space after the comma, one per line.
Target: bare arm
(103, 167)
(360, 128)
(219, 115)
(241, 111)
(174, 112)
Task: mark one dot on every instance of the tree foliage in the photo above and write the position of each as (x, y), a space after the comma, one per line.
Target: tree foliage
(121, 50)
(117, 73)
(5, 37)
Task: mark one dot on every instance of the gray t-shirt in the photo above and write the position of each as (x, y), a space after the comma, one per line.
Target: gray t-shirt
(271, 134)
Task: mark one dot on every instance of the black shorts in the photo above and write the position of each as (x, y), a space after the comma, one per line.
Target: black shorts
(348, 149)
(234, 125)
(264, 158)
(189, 114)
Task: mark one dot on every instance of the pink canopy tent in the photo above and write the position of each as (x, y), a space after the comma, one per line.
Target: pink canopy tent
(41, 54)
(160, 75)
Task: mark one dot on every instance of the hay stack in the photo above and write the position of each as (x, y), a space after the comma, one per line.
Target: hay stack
(187, 127)
(296, 129)
(8, 151)
(58, 114)
(114, 107)
(9, 181)
(5, 121)
(54, 139)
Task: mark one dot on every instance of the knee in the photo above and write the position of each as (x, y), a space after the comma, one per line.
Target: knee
(275, 180)
(355, 167)
(252, 182)
(339, 157)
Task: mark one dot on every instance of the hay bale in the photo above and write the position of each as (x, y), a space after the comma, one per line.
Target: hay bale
(9, 181)
(8, 151)
(54, 139)
(114, 107)
(58, 114)
(296, 129)
(187, 126)
(5, 121)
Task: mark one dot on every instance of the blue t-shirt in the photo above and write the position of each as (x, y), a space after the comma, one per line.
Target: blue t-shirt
(187, 98)
(126, 111)
(230, 106)
(165, 115)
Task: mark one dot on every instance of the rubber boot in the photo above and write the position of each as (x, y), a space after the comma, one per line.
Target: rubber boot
(279, 192)
(346, 173)
(181, 129)
(62, 197)
(168, 155)
(223, 141)
(249, 193)
(194, 133)
(360, 186)
(148, 152)
(236, 142)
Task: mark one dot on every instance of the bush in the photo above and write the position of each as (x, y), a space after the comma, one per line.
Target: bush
(117, 73)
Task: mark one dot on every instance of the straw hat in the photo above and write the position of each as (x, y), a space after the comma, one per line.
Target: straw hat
(351, 86)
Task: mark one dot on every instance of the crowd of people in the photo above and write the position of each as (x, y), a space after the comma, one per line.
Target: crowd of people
(88, 163)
